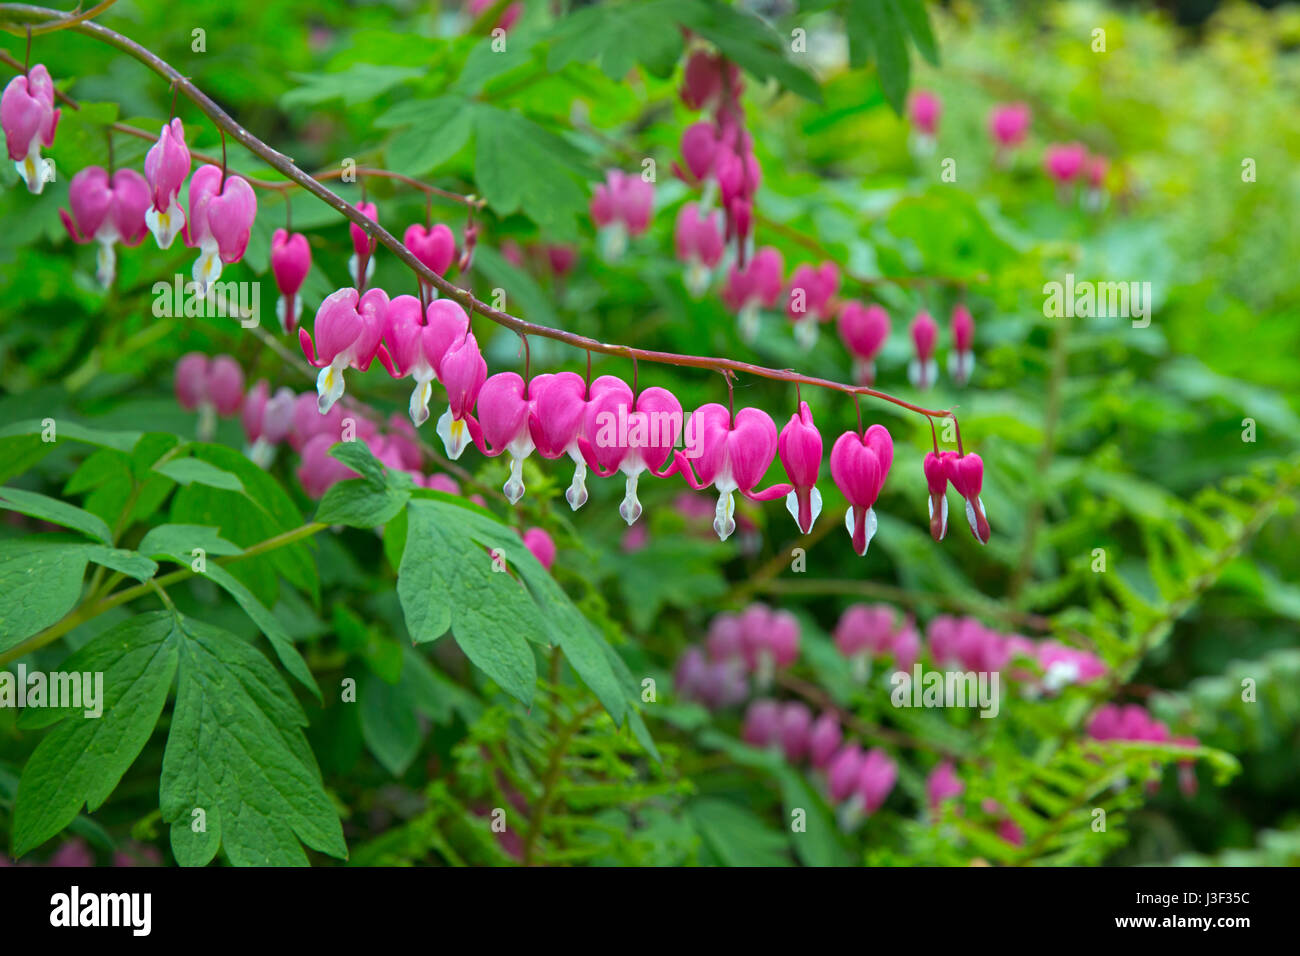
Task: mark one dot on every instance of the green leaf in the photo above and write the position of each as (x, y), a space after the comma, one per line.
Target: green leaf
(447, 580)
(82, 759)
(236, 751)
(268, 624)
(188, 471)
(128, 562)
(433, 139)
(365, 502)
(359, 83)
(41, 582)
(174, 541)
(736, 835)
(620, 36)
(917, 19)
(59, 512)
(877, 27)
(752, 44)
(71, 431)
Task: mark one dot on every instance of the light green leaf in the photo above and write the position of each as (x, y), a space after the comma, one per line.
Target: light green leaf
(188, 471)
(59, 512)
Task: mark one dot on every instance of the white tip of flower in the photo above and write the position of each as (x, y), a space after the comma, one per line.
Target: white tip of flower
(1060, 674)
(611, 242)
(629, 508)
(514, 486)
(106, 262)
(960, 366)
(792, 506)
(805, 332)
(165, 225)
(34, 170)
(207, 268)
(724, 522)
(454, 434)
(749, 321)
(971, 519)
(943, 516)
(815, 499)
(420, 396)
(697, 278)
(329, 387)
(261, 453)
(869, 526)
(576, 495)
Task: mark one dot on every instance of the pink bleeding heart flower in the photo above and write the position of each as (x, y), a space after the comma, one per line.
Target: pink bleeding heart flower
(907, 646)
(267, 420)
(923, 370)
(166, 166)
(308, 422)
(509, 16)
(731, 455)
(1095, 170)
(755, 285)
(863, 329)
(361, 264)
(1008, 124)
(937, 468)
(504, 423)
(1065, 161)
(290, 263)
(561, 258)
(348, 328)
(800, 447)
(1063, 666)
(108, 212)
(435, 247)
(962, 360)
(541, 545)
(212, 386)
(699, 244)
(942, 785)
(462, 372)
(795, 730)
(561, 401)
(441, 482)
(29, 119)
(702, 79)
(924, 110)
(415, 341)
(843, 771)
(762, 723)
(629, 435)
(966, 472)
(876, 779)
(859, 466)
(811, 291)
(220, 221)
(699, 149)
(824, 740)
(620, 207)
(319, 470)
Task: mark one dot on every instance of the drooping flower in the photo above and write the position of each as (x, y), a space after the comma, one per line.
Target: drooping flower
(698, 240)
(290, 263)
(220, 222)
(876, 779)
(505, 413)
(923, 370)
(795, 731)
(924, 110)
(629, 435)
(462, 372)
(561, 412)
(166, 166)
(211, 386)
(267, 420)
(859, 466)
(753, 286)
(348, 330)
(863, 329)
(29, 118)
(620, 208)
(560, 258)
(435, 247)
(942, 785)
(961, 361)
(415, 341)
(731, 455)
(937, 469)
(843, 771)
(700, 149)
(1064, 162)
(361, 264)
(800, 447)
(812, 290)
(1008, 124)
(107, 212)
(966, 472)
(541, 545)
(762, 723)
(705, 77)
(824, 740)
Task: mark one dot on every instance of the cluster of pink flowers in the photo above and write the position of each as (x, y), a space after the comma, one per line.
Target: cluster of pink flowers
(754, 643)
(621, 207)
(868, 631)
(120, 206)
(966, 643)
(856, 781)
(1069, 164)
(1133, 722)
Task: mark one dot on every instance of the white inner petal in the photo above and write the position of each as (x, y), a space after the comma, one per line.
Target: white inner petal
(724, 515)
(630, 507)
(329, 385)
(454, 434)
(577, 493)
